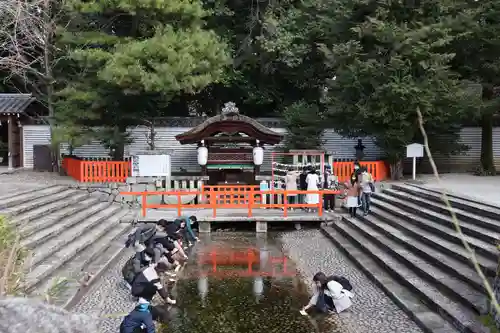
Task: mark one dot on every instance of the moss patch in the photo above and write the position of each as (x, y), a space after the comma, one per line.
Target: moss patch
(489, 322)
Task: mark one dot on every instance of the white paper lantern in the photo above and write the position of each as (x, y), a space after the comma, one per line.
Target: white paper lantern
(202, 155)
(258, 155)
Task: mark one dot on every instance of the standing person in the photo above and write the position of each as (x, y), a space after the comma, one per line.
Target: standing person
(367, 188)
(291, 185)
(355, 175)
(352, 197)
(312, 181)
(303, 185)
(147, 283)
(329, 295)
(328, 185)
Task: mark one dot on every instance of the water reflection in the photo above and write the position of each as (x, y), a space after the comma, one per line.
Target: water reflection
(225, 297)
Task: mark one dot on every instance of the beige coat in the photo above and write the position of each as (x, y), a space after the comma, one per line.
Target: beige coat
(291, 181)
(352, 190)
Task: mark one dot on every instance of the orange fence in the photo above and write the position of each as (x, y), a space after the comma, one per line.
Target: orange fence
(97, 171)
(246, 199)
(343, 170)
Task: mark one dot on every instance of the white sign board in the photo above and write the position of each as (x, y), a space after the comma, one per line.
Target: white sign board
(151, 166)
(415, 150)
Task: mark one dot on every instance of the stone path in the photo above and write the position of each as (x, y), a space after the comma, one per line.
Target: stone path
(312, 252)
(21, 181)
(372, 311)
(486, 189)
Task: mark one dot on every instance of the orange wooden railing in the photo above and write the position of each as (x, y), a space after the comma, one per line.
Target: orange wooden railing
(216, 200)
(97, 171)
(343, 170)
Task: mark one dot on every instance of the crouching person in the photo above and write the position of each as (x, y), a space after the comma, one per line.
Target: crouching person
(139, 320)
(329, 294)
(136, 264)
(142, 318)
(147, 283)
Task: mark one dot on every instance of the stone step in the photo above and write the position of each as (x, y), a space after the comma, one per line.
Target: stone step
(417, 220)
(38, 213)
(38, 225)
(23, 192)
(456, 251)
(47, 249)
(95, 260)
(473, 207)
(456, 267)
(39, 203)
(63, 226)
(400, 294)
(78, 243)
(24, 197)
(394, 242)
(460, 316)
(470, 229)
(481, 221)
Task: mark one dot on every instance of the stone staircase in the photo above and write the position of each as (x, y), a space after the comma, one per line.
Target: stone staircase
(71, 235)
(408, 246)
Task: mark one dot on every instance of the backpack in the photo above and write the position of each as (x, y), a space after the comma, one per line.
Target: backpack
(343, 281)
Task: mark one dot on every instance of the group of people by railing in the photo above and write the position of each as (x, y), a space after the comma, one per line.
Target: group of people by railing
(356, 191)
(159, 249)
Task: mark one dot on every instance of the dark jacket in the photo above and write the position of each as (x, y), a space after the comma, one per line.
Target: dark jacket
(173, 230)
(302, 181)
(147, 283)
(134, 320)
(355, 175)
(134, 266)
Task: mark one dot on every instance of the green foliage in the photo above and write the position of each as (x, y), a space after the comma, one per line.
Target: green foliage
(11, 259)
(305, 126)
(391, 61)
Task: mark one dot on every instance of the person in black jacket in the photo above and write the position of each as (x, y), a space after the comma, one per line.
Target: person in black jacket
(136, 264)
(303, 184)
(147, 283)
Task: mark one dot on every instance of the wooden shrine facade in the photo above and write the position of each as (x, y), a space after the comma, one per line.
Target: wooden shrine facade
(231, 140)
(12, 117)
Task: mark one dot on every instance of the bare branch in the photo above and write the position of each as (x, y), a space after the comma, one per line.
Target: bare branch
(23, 37)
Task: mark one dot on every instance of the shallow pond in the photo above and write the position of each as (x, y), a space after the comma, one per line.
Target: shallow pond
(240, 283)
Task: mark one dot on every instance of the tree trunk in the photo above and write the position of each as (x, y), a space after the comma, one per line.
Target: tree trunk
(487, 160)
(396, 169)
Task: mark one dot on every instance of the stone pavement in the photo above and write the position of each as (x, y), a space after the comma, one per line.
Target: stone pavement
(372, 311)
(482, 188)
(21, 181)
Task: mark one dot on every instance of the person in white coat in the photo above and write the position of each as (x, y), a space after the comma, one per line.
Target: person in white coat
(312, 181)
(329, 295)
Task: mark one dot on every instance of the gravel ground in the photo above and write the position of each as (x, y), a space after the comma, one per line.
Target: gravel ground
(372, 311)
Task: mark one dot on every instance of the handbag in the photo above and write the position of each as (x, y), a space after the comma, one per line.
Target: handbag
(372, 187)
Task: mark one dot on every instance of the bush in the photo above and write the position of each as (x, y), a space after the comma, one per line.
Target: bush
(11, 259)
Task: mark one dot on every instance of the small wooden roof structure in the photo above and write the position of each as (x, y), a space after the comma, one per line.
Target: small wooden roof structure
(230, 121)
(14, 104)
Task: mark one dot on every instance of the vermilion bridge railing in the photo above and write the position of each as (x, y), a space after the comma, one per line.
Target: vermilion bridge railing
(230, 197)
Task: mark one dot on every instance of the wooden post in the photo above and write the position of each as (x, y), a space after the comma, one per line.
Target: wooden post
(10, 123)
